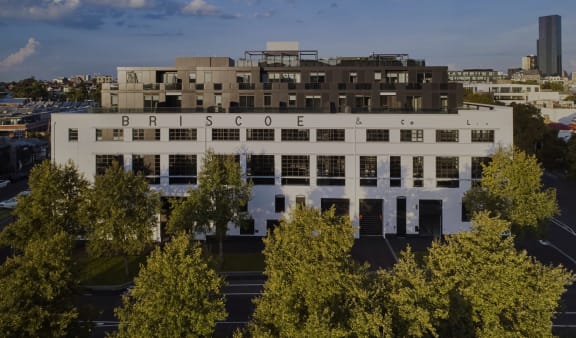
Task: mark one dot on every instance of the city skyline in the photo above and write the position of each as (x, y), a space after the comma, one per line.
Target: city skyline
(48, 39)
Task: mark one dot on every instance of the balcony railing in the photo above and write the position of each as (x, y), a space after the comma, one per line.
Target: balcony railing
(151, 86)
(246, 86)
(173, 86)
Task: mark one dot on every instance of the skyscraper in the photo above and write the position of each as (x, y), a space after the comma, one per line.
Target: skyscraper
(549, 45)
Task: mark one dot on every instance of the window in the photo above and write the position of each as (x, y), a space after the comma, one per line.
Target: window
(466, 214)
(182, 169)
(331, 170)
(72, 134)
(192, 77)
(313, 103)
(225, 134)
(279, 203)
(377, 135)
(368, 171)
(207, 77)
(146, 134)
(353, 77)
(301, 201)
(260, 169)
(109, 134)
(418, 171)
(447, 135)
(447, 172)
(246, 101)
(103, 162)
(341, 206)
(267, 100)
(295, 170)
(199, 100)
(477, 167)
(148, 166)
(482, 135)
(217, 86)
(330, 135)
(412, 135)
(317, 77)
(243, 77)
(292, 100)
(395, 171)
(295, 135)
(260, 134)
(182, 134)
(377, 76)
(247, 226)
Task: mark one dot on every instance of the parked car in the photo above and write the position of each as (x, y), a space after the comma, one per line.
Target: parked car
(12, 202)
(4, 183)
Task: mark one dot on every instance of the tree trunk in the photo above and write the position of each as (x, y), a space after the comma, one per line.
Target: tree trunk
(220, 250)
(126, 266)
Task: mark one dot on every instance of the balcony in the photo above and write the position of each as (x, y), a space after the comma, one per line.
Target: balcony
(363, 86)
(313, 85)
(151, 86)
(173, 86)
(246, 86)
(413, 86)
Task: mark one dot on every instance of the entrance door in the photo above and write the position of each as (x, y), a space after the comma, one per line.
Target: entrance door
(430, 217)
(401, 216)
(370, 217)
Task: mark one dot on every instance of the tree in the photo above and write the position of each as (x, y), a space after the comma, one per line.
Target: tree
(56, 192)
(482, 98)
(36, 290)
(29, 88)
(529, 128)
(512, 189)
(475, 284)
(218, 200)
(314, 288)
(176, 294)
(571, 158)
(121, 212)
(554, 86)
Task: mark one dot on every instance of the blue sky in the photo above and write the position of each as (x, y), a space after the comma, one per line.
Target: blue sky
(51, 38)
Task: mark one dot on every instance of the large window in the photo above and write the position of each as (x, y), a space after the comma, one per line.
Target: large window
(295, 135)
(330, 135)
(368, 171)
(109, 134)
(412, 135)
(260, 134)
(260, 169)
(482, 135)
(183, 134)
(331, 170)
(447, 135)
(148, 166)
(377, 135)
(225, 134)
(72, 134)
(182, 169)
(295, 170)
(418, 171)
(395, 171)
(317, 77)
(477, 167)
(105, 161)
(279, 203)
(146, 134)
(447, 172)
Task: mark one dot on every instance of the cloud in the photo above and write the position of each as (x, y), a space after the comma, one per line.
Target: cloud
(122, 3)
(46, 9)
(265, 14)
(21, 55)
(200, 7)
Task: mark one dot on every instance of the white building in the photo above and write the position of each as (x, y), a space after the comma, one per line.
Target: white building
(391, 173)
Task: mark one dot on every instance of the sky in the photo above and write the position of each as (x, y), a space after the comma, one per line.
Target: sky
(62, 38)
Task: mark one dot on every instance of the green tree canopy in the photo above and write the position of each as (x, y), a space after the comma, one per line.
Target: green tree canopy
(36, 290)
(529, 128)
(475, 284)
(314, 288)
(53, 205)
(482, 98)
(121, 212)
(176, 294)
(512, 189)
(218, 200)
(29, 88)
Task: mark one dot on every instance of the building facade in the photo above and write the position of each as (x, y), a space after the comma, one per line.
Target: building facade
(387, 149)
(549, 45)
(475, 76)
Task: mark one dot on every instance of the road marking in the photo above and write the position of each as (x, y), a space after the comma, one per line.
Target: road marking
(391, 250)
(230, 323)
(563, 225)
(550, 244)
(235, 285)
(564, 325)
(241, 293)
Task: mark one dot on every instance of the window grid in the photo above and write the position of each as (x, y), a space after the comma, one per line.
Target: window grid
(225, 134)
(447, 135)
(72, 134)
(476, 168)
(260, 169)
(182, 169)
(330, 135)
(295, 169)
(368, 171)
(295, 135)
(447, 172)
(105, 161)
(377, 135)
(418, 171)
(260, 134)
(109, 134)
(183, 134)
(146, 134)
(412, 135)
(331, 166)
(395, 171)
(482, 135)
(148, 166)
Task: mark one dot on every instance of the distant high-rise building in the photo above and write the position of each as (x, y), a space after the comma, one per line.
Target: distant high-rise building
(549, 45)
(529, 62)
